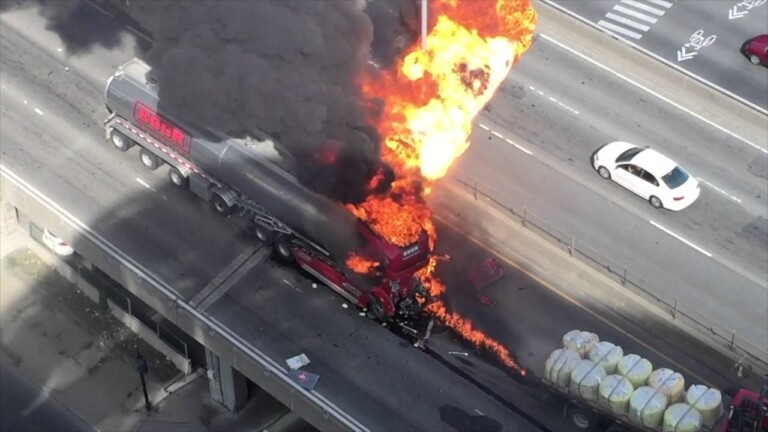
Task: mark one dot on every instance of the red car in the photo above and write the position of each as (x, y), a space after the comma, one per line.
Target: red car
(756, 50)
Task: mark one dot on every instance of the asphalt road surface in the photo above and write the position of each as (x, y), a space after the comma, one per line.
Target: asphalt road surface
(702, 37)
(52, 111)
(25, 407)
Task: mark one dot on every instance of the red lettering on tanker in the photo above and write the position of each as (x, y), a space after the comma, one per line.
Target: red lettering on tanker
(161, 128)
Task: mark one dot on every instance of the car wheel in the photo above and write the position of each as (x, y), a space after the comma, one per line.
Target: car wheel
(655, 202)
(120, 142)
(177, 178)
(604, 173)
(754, 59)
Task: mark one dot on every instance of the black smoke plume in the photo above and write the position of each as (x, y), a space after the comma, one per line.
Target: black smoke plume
(284, 67)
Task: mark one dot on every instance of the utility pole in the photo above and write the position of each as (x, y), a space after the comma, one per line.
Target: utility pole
(424, 10)
(142, 368)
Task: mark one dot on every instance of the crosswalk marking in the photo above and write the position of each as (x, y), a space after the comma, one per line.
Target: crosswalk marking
(619, 29)
(628, 22)
(638, 15)
(644, 7)
(633, 18)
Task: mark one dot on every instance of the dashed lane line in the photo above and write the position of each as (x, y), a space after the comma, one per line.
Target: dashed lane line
(507, 140)
(719, 190)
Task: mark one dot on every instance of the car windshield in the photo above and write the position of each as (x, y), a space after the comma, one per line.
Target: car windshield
(675, 178)
(629, 154)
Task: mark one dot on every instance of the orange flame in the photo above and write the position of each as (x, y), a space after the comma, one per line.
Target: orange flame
(361, 264)
(430, 101)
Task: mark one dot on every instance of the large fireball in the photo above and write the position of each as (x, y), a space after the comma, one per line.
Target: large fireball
(431, 98)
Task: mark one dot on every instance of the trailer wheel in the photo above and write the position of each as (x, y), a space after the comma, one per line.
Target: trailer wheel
(375, 309)
(284, 248)
(582, 419)
(220, 206)
(119, 141)
(265, 235)
(178, 179)
(149, 160)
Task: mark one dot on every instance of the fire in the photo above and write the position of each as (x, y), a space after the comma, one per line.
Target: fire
(361, 264)
(431, 99)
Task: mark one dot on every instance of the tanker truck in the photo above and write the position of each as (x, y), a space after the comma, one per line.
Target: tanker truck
(599, 387)
(253, 177)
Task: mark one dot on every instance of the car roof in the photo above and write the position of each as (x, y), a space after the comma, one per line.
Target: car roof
(761, 38)
(654, 162)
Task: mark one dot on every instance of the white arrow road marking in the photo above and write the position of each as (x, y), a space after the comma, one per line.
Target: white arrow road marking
(682, 55)
(734, 13)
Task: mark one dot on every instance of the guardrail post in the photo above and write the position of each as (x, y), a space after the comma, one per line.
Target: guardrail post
(570, 248)
(474, 192)
(624, 277)
(525, 214)
(674, 310)
(733, 339)
(130, 311)
(157, 328)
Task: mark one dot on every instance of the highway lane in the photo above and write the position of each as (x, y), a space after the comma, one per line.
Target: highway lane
(140, 230)
(729, 221)
(138, 219)
(556, 183)
(668, 29)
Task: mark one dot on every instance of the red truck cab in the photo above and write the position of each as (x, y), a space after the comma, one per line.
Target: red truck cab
(387, 293)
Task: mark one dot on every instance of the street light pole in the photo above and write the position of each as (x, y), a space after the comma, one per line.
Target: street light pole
(142, 368)
(424, 10)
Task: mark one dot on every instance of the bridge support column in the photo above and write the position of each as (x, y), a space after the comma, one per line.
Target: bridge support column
(226, 385)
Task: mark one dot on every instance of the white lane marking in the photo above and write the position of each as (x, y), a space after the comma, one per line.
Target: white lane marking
(646, 89)
(619, 29)
(681, 239)
(479, 412)
(644, 7)
(25, 102)
(632, 13)
(145, 184)
(509, 141)
(719, 190)
(519, 147)
(553, 100)
(59, 49)
(100, 9)
(626, 21)
(666, 4)
(37, 110)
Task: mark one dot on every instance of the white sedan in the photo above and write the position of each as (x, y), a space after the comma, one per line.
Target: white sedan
(57, 245)
(647, 173)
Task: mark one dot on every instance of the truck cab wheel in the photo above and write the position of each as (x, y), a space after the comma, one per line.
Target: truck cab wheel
(177, 178)
(284, 248)
(119, 141)
(220, 206)
(582, 419)
(149, 160)
(265, 235)
(375, 309)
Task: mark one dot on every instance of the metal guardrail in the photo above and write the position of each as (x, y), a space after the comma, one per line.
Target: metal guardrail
(746, 352)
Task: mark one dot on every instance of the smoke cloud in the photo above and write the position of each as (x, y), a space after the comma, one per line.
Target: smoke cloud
(287, 68)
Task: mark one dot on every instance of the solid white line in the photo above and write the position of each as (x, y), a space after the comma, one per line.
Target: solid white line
(628, 22)
(644, 7)
(666, 4)
(143, 183)
(681, 239)
(482, 126)
(638, 15)
(619, 29)
(553, 100)
(640, 86)
(521, 148)
(497, 134)
(37, 110)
